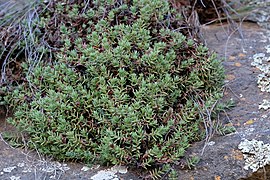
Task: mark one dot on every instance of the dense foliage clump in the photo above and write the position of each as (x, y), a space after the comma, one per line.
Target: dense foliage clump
(123, 85)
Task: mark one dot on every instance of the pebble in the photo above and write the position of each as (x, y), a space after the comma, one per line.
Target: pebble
(85, 168)
(15, 178)
(9, 169)
(20, 164)
(105, 175)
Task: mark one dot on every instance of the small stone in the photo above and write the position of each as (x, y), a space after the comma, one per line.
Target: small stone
(15, 178)
(211, 143)
(64, 167)
(20, 164)
(104, 175)
(95, 166)
(119, 169)
(9, 169)
(48, 169)
(85, 168)
(52, 177)
(27, 170)
(57, 164)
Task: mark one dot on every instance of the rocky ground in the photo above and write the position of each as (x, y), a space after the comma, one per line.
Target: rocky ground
(246, 54)
(222, 158)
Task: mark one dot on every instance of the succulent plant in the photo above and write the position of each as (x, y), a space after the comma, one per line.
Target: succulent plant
(124, 85)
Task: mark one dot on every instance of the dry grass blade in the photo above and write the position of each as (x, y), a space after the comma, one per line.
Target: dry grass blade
(18, 41)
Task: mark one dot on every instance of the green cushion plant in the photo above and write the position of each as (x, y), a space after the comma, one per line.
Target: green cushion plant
(123, 86)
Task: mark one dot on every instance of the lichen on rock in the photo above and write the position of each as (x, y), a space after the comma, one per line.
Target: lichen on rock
(264, 105)
(256, 154)
(261, 61)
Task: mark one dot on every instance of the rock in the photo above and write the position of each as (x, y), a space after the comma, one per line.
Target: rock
(9, 169)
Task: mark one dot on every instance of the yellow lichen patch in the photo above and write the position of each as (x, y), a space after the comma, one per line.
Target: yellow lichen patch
(231, 58)
(237, 64)
(237, 155)
(249, 122)
(229, 125)
(242, 55)
(230, 77)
